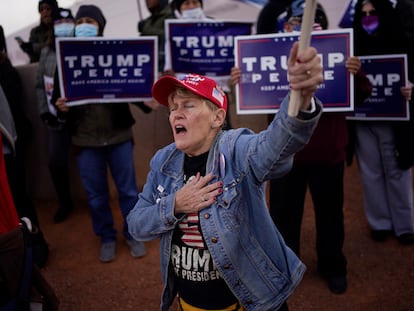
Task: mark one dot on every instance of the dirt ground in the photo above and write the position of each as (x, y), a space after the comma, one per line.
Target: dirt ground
(380, 275)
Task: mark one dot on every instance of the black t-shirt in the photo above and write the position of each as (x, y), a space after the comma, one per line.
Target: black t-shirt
(198, 280)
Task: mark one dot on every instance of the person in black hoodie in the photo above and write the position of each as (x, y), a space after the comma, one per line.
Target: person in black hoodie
(387, 187)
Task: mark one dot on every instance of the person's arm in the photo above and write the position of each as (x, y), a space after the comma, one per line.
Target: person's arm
(235, 75)
(153, 215)
(270, 153)
(363, 86)
(406, 91)
(27, 47)
(37, 44)
(158, 211)
(40, 85)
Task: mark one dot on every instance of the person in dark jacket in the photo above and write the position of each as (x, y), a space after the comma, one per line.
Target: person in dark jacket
(15, 160)
(58, 137)
(387, 187)
(102, 136)
(319, 166)
(267, 21)
(160, 10)
(11, 238)
(39, 35)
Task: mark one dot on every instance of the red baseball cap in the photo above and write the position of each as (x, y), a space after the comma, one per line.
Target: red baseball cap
(200, 85)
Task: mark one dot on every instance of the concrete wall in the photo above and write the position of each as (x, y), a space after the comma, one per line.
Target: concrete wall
(151, 132)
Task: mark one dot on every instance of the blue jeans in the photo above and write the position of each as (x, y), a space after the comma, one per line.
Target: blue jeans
(93, 163)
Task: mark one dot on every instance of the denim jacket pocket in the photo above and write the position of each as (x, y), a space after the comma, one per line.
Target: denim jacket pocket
(229, 206)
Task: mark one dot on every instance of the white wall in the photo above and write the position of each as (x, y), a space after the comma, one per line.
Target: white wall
(122, 18)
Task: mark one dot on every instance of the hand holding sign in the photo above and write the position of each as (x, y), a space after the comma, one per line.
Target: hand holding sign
(298, 96)
(305, 75)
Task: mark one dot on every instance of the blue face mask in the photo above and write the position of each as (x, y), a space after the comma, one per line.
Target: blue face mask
(196, 13)
(64, 30)
(86, 30)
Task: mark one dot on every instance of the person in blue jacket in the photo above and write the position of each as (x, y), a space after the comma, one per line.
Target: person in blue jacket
(205, 195)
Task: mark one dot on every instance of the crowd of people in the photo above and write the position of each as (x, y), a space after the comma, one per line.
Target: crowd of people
(205, 196)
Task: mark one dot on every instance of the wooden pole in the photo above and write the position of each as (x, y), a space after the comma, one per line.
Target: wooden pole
(308, 20)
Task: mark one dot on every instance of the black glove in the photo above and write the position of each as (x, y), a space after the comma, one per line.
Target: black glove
(51, 121)
(27, 47)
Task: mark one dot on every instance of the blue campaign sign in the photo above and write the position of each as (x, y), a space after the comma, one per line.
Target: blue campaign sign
(263, 63)
(99, 70)
(387, 74)
(205, 47)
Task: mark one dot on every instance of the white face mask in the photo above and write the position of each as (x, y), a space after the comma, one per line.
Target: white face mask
(196, 13)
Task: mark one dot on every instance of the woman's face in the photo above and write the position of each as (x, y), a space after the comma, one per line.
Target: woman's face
(368, 9)
(194, 124)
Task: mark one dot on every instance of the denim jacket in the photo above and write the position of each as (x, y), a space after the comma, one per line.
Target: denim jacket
(245, 245)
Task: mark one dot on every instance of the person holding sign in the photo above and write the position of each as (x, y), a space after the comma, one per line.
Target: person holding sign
(319, 165)
(160, 10)
(387, 187)
(188, 10)
(153, 25)
(205, 195)
(102, 136)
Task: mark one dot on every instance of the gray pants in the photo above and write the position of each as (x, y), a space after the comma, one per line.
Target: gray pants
(387, 190)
